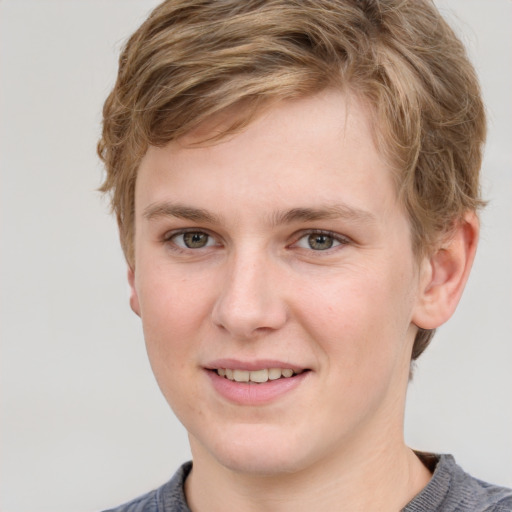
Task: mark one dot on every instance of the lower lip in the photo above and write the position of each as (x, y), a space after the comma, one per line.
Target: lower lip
(252, 393)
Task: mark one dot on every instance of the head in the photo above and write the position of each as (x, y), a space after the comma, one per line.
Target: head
(295, 185)
(224, 63)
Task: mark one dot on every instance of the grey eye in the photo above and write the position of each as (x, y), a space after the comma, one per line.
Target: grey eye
(193, 240)
(319, 242)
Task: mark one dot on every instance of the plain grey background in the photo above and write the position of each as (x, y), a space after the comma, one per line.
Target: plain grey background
(83, 424)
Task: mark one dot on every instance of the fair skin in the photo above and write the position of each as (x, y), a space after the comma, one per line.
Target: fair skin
(284, 247)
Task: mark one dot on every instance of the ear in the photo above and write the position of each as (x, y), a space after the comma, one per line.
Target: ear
(443, 274)
(134, 298)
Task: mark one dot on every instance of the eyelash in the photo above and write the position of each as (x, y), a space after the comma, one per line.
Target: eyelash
(168, 239)
(337, 239)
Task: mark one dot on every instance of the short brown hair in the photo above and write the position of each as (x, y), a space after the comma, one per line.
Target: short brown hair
(193, 59)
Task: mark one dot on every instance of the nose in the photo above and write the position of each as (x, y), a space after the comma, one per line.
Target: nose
(249, 302)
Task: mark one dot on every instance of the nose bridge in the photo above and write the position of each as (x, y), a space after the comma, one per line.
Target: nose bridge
(249, 300)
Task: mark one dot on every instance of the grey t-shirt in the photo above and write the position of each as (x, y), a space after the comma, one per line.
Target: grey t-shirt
(449, 490)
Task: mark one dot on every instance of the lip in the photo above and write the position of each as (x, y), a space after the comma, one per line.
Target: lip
(251, 393)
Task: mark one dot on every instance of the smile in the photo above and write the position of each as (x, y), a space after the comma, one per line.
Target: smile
(256, 385)
(257, 376)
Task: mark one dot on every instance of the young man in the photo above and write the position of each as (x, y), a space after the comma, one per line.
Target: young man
(296, 186)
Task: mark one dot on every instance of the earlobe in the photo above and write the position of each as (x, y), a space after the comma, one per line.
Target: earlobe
(134, 298)
(443, 274)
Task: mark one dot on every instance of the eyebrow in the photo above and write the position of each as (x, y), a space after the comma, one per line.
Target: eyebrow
(166, 209)
(338, 211)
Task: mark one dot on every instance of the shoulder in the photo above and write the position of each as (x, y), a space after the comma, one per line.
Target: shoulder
(170, 497)
(492, 498)
(146, 503)
(451, 489)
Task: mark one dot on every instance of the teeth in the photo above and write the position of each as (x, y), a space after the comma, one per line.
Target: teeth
(258, 376)
(274, 373)
(241, 375)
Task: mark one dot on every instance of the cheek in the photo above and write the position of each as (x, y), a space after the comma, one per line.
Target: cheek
(360, 318)
(174, 307)
(359, 331)
(172, 312)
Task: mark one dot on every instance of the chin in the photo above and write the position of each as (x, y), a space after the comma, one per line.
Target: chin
(260, 464)
(260, 450)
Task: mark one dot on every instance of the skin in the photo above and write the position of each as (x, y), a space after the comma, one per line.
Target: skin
(258, 291)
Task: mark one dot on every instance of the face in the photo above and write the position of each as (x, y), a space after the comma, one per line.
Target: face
(277, 287)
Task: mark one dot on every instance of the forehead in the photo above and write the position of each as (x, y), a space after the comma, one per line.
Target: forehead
(328, 109)
(319, 149)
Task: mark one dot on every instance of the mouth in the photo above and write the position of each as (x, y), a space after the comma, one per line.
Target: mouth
(257, 376)
(255, 383)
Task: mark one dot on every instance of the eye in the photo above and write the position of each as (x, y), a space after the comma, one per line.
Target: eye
(320, 241)
(193, 240)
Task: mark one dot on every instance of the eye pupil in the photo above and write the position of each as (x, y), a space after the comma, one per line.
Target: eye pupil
(195, 240)
(320, 242)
